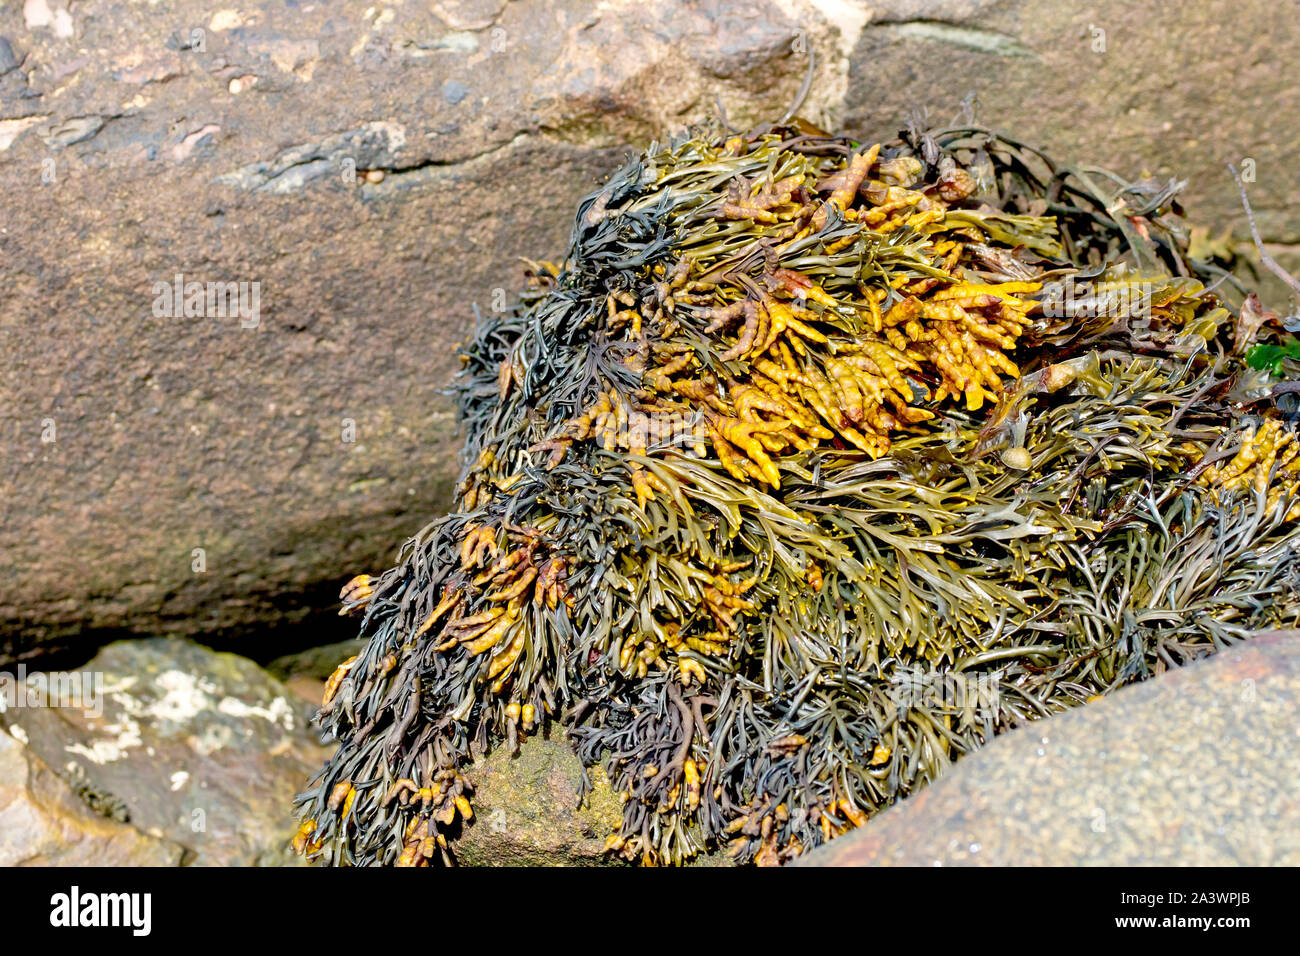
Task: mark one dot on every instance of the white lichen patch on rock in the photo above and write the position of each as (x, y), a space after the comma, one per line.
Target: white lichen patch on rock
(185, 697)
(203, 748)
(183, 701)
(279, 712)
(123, 735)
(212, 738)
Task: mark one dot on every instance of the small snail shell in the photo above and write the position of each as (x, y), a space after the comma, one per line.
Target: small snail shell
(1017, 458)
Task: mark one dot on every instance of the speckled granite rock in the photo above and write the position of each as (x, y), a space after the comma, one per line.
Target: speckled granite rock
(1193, 768)
(43, 822)
(526, 814)
(196, 748)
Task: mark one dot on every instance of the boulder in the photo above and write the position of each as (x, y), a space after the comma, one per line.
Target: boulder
(190, 747)
(1170, 88)
(1193, 768)
(370, 173)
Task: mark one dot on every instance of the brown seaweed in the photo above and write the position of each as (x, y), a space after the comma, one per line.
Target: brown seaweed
(813, 466)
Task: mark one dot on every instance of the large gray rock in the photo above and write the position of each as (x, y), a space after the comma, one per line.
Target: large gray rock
(1194, 768)
(377, 170)
(195, 748)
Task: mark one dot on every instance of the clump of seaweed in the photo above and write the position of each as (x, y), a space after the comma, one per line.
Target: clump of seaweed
(813, 466)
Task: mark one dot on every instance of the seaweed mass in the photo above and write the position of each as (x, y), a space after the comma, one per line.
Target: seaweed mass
(814, 465)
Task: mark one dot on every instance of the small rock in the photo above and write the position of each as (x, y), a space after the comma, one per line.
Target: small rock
(454, 92)
(469, 14)
(204, 749)
(224, 20)
(308, 688)
(43, 822)
(525, 810)
(315, 662)
(76, 130)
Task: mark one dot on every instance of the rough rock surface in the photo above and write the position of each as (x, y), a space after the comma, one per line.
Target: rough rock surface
(191, 747)
(526, 812)
(1194, 768)
(1178, 88)
(43, 822)
(377, 169)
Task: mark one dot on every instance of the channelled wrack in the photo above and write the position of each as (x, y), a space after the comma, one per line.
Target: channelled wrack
(800, 478)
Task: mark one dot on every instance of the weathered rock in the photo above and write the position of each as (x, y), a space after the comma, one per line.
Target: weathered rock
(376, 170)
(196, 748)
(301, 444)
(1193, 768)
(44, 823)
(526, 811)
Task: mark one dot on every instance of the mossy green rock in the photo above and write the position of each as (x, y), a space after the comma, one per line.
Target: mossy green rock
(526, 810)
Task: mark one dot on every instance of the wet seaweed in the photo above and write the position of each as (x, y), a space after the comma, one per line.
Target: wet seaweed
(814, 465)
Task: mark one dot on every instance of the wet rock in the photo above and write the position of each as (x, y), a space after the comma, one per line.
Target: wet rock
(43, 822)
(191, 747)
(1192, 768)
